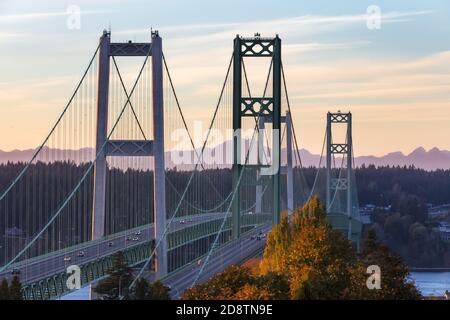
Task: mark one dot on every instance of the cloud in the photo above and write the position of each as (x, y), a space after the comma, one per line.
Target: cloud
(376, 89)
(285, 24)
(21, 17)
(317, 46)
(11, 36)
(380, 83)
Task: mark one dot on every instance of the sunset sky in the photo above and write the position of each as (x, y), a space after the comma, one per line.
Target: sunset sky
(395, 80)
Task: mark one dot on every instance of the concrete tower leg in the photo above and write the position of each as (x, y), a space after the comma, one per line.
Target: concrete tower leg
(159, 183)
(98, 212)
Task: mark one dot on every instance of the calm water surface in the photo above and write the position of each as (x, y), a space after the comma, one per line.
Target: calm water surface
(432, 283)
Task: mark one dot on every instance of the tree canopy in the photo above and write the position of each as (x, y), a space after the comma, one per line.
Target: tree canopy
(11, 291)
(305, 258)
(116, 285)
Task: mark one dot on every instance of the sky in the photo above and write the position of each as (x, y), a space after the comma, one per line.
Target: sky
(394, 76)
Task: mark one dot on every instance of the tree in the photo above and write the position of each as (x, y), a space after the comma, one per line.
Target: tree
(141, 290)
(394, 274)
(238, 283)
(315, 257)
(277, 247)
(251, 292)
(15, 289)
(370, 243)
(280, 239)
(223, 285)
(154, 291)
(4, 290)
(274, 286)
(115, 286)
(319, 262)
(158, 291)
(306, 259)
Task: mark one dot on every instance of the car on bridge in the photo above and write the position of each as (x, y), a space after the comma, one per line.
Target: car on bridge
(81, 254)
(110, 244)
(67, 259)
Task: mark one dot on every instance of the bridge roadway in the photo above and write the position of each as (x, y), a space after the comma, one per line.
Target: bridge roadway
(41, 267)
(233, 252)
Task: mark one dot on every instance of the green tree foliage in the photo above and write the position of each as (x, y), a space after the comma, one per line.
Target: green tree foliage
(15, 289)
(275, 285)
(154, 291)
(407, 189)
(394, 274)
(4, 290)
(238, 283)
(158, 291)
(12, 291)
(116, 284)
(141, 289)
(223, 285)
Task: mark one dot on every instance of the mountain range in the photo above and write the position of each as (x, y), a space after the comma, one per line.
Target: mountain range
(420, 158)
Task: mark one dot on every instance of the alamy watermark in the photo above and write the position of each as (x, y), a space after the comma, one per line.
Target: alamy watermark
(374, 280)
(73, 21)
(251, 149)
(373, 20)
(74, 277)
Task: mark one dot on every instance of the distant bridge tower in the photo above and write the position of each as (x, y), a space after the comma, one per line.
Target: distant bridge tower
(256, 107)
(342, 217)
(154, 148)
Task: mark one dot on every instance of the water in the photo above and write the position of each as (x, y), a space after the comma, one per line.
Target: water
(432, 283)
(82, 294)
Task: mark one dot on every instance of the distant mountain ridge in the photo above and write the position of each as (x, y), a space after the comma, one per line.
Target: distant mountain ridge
(420, 158)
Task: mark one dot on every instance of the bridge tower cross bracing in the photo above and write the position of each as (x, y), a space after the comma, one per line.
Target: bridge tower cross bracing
(246, 107)
(119, 148)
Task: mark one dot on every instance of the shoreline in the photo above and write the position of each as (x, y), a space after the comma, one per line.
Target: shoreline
(443, 269)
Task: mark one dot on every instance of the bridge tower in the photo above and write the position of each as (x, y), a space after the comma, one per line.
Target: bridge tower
(258, 108)
(153, 148)
(345, 218)
(284, 170)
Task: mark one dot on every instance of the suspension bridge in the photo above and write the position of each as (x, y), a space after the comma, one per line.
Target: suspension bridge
(110, 176)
